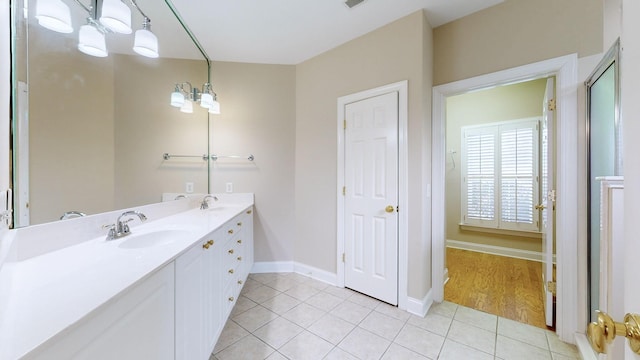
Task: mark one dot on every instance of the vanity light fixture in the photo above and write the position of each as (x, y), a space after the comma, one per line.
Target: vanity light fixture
(105, 16)
(91, 40)
(54, 15)
(116, 16)
(184, 94)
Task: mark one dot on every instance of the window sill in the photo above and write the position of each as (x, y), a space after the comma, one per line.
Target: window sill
(521, 233)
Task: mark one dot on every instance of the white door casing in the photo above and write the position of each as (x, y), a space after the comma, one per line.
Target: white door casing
(548, 195)
(566, 126)
(371, 197)
(401, 88)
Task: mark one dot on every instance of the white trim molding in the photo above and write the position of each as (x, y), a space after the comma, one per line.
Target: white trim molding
(294, 267)
(403, 193)
(497, 250)
(566, 125)
(420, 307)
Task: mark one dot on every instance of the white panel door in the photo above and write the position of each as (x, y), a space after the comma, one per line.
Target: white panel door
(371, 197)
(548, 196)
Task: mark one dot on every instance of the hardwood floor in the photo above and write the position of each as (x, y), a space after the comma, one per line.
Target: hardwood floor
(499, 285)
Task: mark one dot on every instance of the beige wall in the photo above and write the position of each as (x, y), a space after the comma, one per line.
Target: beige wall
(516, 32)
(258, 117)
(71, 129)
(398, 51)
(146, 127)
(502, 103)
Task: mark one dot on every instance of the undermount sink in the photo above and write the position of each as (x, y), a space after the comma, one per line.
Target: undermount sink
(153, 238)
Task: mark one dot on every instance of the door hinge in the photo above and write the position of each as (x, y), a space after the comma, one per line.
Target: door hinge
(345, 124)
(552, 105)
(344, 190)
(342, 257)
(552, 287)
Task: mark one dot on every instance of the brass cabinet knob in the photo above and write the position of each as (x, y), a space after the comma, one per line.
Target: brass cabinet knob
(239, 241)
(240, 223)
(239, 258)
(248, 211)
(239, 282)
(210, 242)
(230, 271)
(231, 251)
(231, 298)
(389, 209)
(206, 245)
(230, 231)
(603, 331)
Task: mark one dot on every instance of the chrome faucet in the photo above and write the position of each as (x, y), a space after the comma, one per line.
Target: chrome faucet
(205, 204)
(121, 228)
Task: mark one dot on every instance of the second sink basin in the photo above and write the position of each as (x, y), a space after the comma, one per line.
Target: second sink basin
(153, 238)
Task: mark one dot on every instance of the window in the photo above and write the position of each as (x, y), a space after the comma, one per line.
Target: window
(500, 165)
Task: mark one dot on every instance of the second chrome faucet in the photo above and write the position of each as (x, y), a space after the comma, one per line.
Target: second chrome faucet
(121, 227)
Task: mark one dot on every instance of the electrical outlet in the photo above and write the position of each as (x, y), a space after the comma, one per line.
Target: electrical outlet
(229, 187)
(188, 187)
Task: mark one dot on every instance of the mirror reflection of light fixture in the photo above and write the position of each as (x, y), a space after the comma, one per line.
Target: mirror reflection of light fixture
(105, 16)
(187, 107)
(116, 16)
(91, 41)
(54, 15)
(146, 42)
(185, 93)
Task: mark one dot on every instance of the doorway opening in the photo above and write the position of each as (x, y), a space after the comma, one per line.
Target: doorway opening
(497, 178)
(569, 304)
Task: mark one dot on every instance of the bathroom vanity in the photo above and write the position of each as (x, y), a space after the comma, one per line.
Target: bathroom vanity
(162, 292)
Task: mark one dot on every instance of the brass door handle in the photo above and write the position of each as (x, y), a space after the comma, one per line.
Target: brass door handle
(389, 209)
(540, 207)
(602, 332)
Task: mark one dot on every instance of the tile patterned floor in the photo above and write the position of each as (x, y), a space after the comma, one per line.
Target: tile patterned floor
(290, 316)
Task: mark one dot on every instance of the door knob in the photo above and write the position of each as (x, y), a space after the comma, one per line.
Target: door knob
(602, 332)
(540, 207)
(389, 209)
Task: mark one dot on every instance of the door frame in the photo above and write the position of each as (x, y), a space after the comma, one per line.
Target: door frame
(403, 254)
(566, 145)
(5, 103)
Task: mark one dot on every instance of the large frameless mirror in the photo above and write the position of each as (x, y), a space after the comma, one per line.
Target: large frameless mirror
(604, 154)
(89, 132)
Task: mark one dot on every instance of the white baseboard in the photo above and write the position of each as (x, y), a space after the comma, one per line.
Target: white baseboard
(497, 250)
(298, 268)
(272, 267)
(420, 307)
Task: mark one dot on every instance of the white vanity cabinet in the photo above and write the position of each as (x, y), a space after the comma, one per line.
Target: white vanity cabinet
(209, 278)
(137, 324)
(197, 278)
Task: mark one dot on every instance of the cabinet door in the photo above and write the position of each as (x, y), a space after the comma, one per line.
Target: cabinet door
(191, 293)
(138, 324)
(212, 298)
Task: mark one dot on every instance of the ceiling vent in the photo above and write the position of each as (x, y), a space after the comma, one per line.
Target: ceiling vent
(352, 3)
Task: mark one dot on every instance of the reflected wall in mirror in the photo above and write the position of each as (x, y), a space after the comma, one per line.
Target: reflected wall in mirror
(89, 132)
(604, 154)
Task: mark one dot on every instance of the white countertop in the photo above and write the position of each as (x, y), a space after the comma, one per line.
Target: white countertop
(42, 295)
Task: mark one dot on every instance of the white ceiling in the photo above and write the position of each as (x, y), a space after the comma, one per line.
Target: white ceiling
(292, 31)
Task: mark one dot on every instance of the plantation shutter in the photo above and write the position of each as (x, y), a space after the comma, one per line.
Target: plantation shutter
(500, 175)
(480, 177)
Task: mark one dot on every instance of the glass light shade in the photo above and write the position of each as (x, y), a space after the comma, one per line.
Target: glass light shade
(116, 16)
(91, 41)
(54, 15)
(146, 43)
(177, 99)
(187, 107)
(206, 100)
(215, 107)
